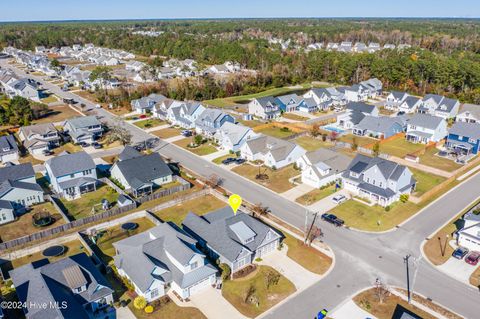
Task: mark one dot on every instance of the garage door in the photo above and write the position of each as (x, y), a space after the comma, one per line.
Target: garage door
(199, 286)
(265, 250)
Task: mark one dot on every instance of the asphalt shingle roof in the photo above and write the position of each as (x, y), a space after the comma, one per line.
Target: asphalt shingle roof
(66, 164)
(472, 130)
(16, 172)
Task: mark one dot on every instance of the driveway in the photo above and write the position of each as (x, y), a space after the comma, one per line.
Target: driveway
(326, 204)
(125, 313)
(297, 191)
(458, 269)
(349, 310)
(212, 304)
(298, 275)
(217, 154)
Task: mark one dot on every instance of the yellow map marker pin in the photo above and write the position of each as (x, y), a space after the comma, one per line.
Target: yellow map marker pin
(235, 201)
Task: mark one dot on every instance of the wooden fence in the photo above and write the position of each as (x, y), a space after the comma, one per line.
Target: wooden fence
(165, 192)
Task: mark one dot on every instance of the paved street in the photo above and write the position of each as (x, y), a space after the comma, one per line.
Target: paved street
(360, 257)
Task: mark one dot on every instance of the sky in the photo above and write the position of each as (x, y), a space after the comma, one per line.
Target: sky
(45, 10)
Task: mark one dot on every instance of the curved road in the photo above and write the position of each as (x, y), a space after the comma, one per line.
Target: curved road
(360, 257)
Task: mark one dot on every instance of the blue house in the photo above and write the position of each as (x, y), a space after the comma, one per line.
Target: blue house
(210, 121)
(464, 138)
(289, 102)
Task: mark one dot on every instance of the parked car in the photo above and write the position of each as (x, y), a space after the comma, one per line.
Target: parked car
(84, 144)
(332, 219)
(187, 133)
(47, 152)
(473, 258)
(322, 314)
(97, 145)
(98, 106)
(240, 160)
(338, 199)
(143, 116)
(228, 161)
(460, 252)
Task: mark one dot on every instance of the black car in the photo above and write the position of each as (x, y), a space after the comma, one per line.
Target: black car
(228, 161)
(240, 161)
(84, 144)
(97, 145)
(332, 219)
(47, 152)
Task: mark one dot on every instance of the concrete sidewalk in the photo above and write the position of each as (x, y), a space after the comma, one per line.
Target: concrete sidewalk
(157, 128)
(217, 154)
(174, 138)
(349, 310)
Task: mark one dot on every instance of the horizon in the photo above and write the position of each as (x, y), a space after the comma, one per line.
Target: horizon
(122, 10)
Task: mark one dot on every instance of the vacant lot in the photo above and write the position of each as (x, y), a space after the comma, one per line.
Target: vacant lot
(23, 226)
(58, 113)
(312, 144)
(199, 206)
(236, 290)
(72, 248)
(308, 257)
(294, 117)
(425, 181)
(400, 147)
(277, 179)
(276, 132)
(201, 150)
(361, 141)
(315, 195)
(167, 132)
(149, 123)
(82, 207)
(252, 123)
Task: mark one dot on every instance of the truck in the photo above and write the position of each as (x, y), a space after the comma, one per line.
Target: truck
(332, 219)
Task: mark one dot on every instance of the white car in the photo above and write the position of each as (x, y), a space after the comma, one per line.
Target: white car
(98, 106)
(338, 199)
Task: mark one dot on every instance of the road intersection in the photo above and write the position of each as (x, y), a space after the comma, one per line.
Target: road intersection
(360, 257)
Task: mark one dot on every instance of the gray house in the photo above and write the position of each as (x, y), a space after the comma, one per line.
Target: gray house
(440, 106)
(379, 127)
(163, 258)
(72, 175)
(470, 113)
(8, 149)
(141, 174)
(73, 283)
(18, 191)
(236, 240)
(211, 120)
(147, 103)
(83, 129)
(40, 137)
(378, 180)
(266, 108)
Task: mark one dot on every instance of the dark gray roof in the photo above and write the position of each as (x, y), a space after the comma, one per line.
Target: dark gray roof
(336, 161)
(66, 164)
(83, 122)
(140, 254)
(8, 144)
(411, 101)
(8, 185)
(471, 130)
(128, 153)
(216, 229)
(472, 109)
(380, 124)
(143, 170)
(425, 120)
(399, 95)
(16, 172)
(263, 101)
(389, 169)
(361, 107)
(46, 282)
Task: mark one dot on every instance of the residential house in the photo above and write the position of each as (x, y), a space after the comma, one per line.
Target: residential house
(27, 88)
(140, 175)
(18, 191)
(289, 102)
(469, 235)
(395, 99)
(380, 127)
(185, 114)
(355, 93)
(470, 113)
(134, 66)
(440, 106)
(423, 128)
(379, 180)
(71, 287)
(322, 167)
(232, 136)
(39, 137)
(464, 138)
(163, 258)
(218, 69)
(310, 106)
(266, 108)
(233, 239)
(355, 113)
(72, 175)
(211, 120)
(160, 110)
(359, 47)
(326, 97)
(410, 105)
(274, 152)
(373, 87)
(8, 149)
(146, 104)
(83, 129)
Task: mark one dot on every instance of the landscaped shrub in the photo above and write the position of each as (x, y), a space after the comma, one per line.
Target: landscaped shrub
(139, 302)
(225, 271)
(404, 198)
(387, 208)
(148, 309)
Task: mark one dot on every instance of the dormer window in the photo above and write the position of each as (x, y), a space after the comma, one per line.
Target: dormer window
(248, 240)
(194, 265)
(80, 289)
(6, 149)
(353, 174)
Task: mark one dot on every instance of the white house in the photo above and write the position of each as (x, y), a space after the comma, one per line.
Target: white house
(39, 138)
(355, 113)
(266, 108)
(232, 136)
(274, 152)
(8, 149)
(470, 113)
(163, 258)
(469, 235)
(410, 105)
(395, 99)
(83, 129)
(440, 106)
(423, 128)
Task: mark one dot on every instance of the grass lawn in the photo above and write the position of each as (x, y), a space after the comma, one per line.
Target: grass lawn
(364, 217)
(400, 147)
(219, 160)
(82, 207)
(315, 195)
(168, 311)
(67, 147)
(28, 158)
(116, 233)
(57, 114)
(361, 141)
(23, 225)
(236, 290)
(149, 123)
(199, 206)
(308, 257)
(276, 132)
(294, 117)
(50, 99)
(252, 123)
(311, 144)
(430, 159)
(167, 132)
(475, 277)
(203, 149)
(368, 301)
(425, 181)
(277, 179)
(72, 248)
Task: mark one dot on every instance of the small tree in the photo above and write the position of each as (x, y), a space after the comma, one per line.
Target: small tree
(315, 130)
(225, 271)
(376, 149)
(315, 233)
(259, 210)
(197, 139)
(139, 302)
(214, 180)
(381, 291)
(354, 144)
(119, 133)
(271, 279)
(251, 296)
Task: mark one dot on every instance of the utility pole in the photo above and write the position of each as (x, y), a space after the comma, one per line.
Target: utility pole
(311, 226)
(405, 260)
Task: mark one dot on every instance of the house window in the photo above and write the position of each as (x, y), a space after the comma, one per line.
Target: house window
(193, 265)
(249, 240)
(72, 175)
(154, 293)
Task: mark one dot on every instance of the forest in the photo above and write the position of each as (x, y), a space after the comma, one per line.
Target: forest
(444, 58)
